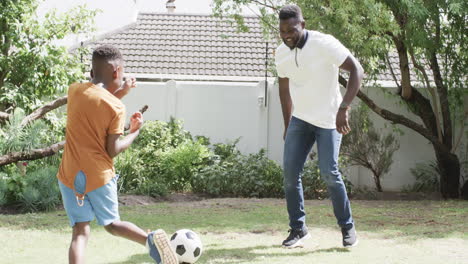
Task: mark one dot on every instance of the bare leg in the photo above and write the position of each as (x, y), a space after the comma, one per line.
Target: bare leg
(80, 237)
(127, 230)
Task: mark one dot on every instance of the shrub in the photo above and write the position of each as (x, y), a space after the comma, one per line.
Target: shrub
(41, 192)
(367, 146)
(163, 159)
(178, 165)
(3, 189)
(37, 190)
(427, 178)
(239, 175)
(313, 185)
(166, 158)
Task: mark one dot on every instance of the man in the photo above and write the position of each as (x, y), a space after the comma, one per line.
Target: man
(308, 64)
(86, 175)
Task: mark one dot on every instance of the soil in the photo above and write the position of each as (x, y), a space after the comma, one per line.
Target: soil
(131, 200)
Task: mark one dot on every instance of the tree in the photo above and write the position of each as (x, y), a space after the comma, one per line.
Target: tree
(367, 146)
(429, 40)
(32, 65)
(34, 68)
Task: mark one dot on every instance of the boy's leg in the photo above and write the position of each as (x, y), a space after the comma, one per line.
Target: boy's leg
(127, 230)
(79, 217)
(78, 244)
(106, 208)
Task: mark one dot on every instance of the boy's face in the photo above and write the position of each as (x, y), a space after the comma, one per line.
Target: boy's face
(119, 73)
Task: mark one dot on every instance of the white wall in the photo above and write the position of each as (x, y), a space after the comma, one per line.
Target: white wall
(224, 111)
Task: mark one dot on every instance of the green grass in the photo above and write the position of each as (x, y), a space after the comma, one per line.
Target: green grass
(250, 230)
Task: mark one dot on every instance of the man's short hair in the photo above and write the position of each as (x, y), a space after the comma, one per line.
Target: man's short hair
(290, 11)
(107, 53)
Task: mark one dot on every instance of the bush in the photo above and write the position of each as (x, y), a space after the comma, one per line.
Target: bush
(166, 158)
(313, 185)
(239, 175)
(41, 192)
(178, 165)
(3, 189)
(37, 190)
(163, 159)
(427, 178)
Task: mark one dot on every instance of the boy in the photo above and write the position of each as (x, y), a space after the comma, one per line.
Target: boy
(86, 175)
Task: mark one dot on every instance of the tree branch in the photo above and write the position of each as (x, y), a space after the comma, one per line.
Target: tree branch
(4, 116)
(397, 119)
(35, 154)
(432, 92)
(444, 102)
(404, 68)
(265, 5)
(39, 113)
(32, 154)
(391, 71)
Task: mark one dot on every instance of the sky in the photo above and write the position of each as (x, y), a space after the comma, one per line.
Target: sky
(125, 10)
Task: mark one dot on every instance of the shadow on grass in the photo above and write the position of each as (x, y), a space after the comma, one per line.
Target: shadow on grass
(242, 255)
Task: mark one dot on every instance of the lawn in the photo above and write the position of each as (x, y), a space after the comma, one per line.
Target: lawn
(251, 230)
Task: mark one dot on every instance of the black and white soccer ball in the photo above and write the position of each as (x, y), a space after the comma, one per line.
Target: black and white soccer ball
(187, 245)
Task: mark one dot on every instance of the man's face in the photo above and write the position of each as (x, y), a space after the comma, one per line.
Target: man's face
(291, 31)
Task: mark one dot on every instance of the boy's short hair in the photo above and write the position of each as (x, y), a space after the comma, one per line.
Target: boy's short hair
(107, 53)
(290, 11)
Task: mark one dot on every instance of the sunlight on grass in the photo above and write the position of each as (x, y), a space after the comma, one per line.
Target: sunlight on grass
(251, 230)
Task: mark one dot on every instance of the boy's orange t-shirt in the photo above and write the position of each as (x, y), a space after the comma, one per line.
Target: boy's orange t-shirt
(93, 113)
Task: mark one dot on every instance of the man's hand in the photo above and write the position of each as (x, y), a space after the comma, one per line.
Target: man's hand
(136, 121)
(342, 125)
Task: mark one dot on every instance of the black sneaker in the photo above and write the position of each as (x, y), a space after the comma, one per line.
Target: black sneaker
(349, 237)
(296, 238)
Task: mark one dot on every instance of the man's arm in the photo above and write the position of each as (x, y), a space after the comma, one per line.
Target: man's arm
(286, 102)
(356, 74)
(115, 145)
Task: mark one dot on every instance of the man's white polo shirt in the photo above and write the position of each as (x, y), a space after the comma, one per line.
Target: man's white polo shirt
(313, 77)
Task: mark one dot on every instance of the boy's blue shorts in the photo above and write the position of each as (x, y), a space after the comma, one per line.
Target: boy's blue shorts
(102, 202)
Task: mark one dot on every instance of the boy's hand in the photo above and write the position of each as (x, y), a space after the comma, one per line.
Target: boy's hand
(129, 83)
(136, 121)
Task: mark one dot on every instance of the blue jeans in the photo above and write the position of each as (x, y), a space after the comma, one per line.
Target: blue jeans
(300, 137)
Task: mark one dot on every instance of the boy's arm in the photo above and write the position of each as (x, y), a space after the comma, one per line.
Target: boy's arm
(126, 86)
(115, 145)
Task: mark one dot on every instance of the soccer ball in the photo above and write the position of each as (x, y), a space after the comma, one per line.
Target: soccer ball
(187, 245)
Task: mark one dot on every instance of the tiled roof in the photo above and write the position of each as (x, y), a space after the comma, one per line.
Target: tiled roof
(182, 44)
(200, 45)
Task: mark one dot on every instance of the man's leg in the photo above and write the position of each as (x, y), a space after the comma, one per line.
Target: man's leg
(328, 147)
(78, 244)
(298, 142)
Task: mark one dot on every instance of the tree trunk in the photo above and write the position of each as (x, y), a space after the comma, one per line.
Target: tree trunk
(449, 166)
(378, 185)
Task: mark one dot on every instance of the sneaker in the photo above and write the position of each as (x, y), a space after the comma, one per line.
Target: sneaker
(296, 238)
(349, 237)
(160, 249)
